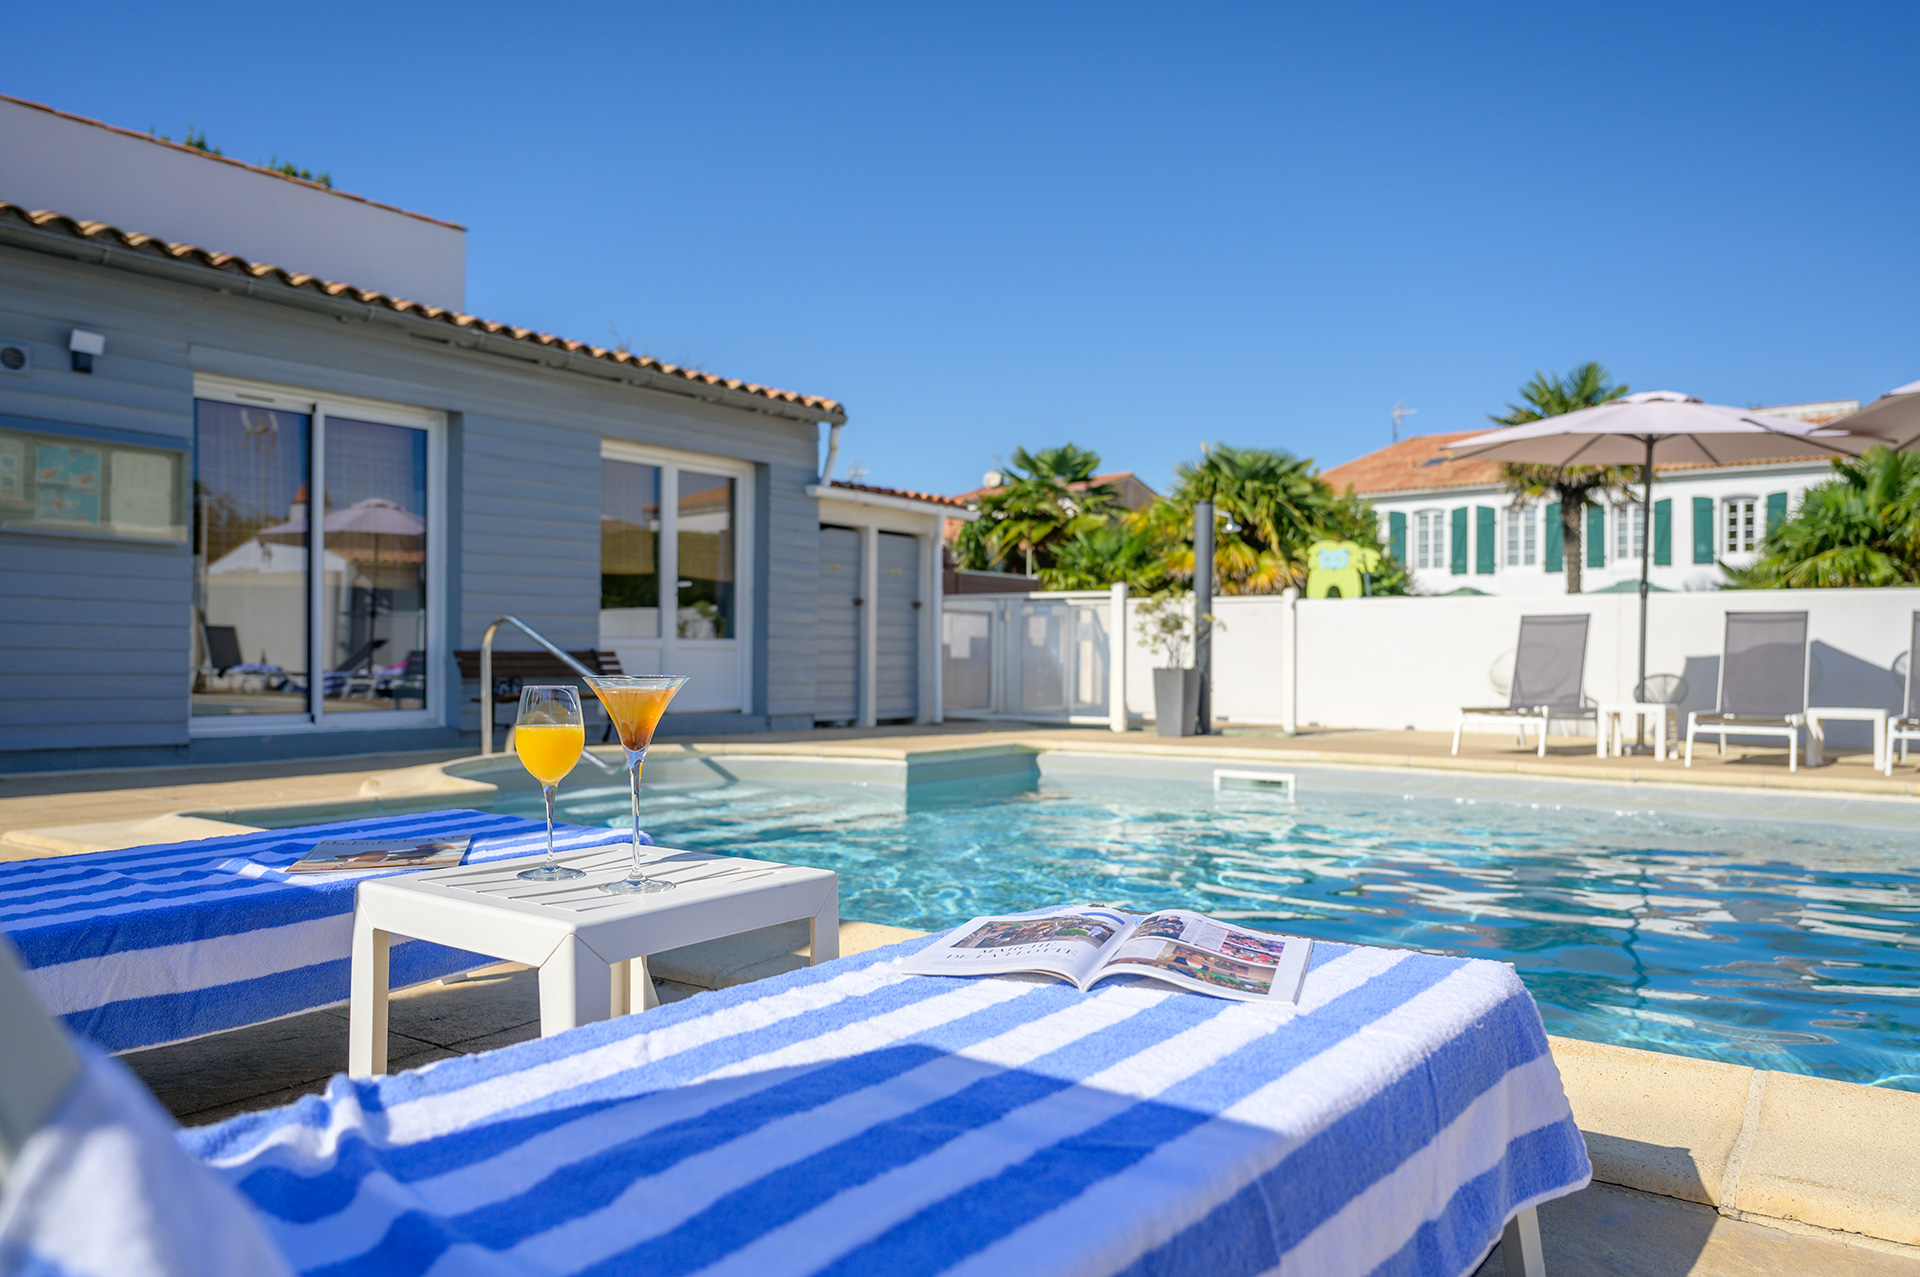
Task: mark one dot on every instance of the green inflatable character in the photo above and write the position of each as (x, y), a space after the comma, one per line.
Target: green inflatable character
(1340, 566)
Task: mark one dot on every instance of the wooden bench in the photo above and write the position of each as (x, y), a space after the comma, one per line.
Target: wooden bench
(513, 670)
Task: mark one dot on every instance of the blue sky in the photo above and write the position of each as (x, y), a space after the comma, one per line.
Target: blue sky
(1133, 227)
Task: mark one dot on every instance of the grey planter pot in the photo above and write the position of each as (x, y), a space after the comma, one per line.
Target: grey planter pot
(1176, 702)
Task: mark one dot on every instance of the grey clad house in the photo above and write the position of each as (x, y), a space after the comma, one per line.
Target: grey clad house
(261, 477)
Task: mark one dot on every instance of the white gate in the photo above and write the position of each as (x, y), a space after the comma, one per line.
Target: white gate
(1027, 656)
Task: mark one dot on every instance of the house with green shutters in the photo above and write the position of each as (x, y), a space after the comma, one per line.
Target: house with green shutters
(1457, 528)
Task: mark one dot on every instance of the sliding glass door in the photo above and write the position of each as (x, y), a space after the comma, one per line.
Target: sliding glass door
(297, 626)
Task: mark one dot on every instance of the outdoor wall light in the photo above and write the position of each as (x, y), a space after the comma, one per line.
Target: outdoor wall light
(84, 346)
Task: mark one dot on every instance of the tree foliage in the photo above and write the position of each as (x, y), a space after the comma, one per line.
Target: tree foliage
(1051, 498)
(1574, 487)
(1269, 507)
(1862, 527)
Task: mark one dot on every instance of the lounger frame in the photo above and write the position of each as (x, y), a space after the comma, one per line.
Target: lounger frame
(1723, 722)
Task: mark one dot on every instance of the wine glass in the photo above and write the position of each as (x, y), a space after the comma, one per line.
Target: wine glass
(635, 704)
(548, 735)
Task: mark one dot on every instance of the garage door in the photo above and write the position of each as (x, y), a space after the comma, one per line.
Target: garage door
(837, 674)
(897, 640)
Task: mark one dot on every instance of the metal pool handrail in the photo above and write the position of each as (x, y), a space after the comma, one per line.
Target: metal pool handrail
(486, 682)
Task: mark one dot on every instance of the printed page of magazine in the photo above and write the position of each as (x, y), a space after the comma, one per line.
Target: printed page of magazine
(1069, 943)
(1199, 953)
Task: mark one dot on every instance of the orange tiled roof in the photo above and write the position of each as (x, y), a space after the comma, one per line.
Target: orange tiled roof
(1412, 465)
(908, 493)
(1420, 464)
(101, 232)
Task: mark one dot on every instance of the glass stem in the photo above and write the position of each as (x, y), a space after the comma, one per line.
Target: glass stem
(634, 759)
(550, 791)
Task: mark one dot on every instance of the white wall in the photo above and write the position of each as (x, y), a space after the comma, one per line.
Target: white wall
(96, 173)
(1533, 580)
(1412, 663)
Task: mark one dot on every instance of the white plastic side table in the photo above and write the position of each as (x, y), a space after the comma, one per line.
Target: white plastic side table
(1612, 734)
(589, 945)
(1817, 731)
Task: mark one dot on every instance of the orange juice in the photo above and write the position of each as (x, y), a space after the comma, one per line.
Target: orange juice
(635, 711)
(549, 750)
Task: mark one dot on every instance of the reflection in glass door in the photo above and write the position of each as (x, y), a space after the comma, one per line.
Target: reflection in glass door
(250, 560)
(374, 588)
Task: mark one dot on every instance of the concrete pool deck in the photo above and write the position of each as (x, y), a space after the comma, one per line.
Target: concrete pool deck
(56, 813)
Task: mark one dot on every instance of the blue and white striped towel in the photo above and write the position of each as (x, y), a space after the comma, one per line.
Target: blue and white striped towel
(154, 944)
(851, 1119)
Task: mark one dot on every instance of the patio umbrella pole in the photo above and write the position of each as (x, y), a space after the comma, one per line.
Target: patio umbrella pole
(1646, 559)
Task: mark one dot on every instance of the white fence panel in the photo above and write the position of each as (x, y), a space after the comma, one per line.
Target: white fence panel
(1400, 663)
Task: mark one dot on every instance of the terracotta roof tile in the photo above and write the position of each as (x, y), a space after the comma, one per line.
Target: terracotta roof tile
(908, 493)
(148, 244)
(1420, 464)
(1413, 465)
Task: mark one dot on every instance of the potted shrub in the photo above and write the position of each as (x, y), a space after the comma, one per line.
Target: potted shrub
(1166, 627)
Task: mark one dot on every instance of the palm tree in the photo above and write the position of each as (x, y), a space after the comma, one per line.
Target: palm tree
(1097, 558)
(1572, 486)
(1862, 527)
(1269, 506)
(1051, 499)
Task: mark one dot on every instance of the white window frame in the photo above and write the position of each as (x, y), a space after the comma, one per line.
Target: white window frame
(1437, 561)
(671, 462)
(1520, 542)
(1627, 548)
(1756, 512)
(318, 407)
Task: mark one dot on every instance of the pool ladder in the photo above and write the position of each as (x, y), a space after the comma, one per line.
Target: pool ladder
(486, 682)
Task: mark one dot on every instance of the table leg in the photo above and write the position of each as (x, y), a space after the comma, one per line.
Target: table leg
(576, 987)
(649, 996)
(1520, 1251)
(825, 944)
(1879, 740)
(367, 1001)
(622, 989)
(1816, 741)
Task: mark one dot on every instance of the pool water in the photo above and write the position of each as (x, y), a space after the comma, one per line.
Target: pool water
(1783, 945)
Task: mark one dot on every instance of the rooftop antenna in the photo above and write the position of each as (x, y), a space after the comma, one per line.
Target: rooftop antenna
(1400, 413)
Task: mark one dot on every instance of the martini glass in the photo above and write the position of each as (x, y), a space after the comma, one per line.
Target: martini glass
(548, 736)
(635, 704)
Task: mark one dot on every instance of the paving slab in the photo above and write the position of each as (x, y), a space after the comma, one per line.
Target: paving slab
(1608, 1231)
(1835, 1155)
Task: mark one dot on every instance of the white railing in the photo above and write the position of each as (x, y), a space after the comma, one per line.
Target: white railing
(1035, 657)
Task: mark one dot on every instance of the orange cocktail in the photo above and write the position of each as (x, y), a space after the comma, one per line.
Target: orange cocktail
(635, 703)
(549, 734)
(549, 750)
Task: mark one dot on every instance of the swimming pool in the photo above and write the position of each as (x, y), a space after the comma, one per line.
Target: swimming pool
(1782, 933)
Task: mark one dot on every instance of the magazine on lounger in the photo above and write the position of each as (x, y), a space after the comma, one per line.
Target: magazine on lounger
(1083, 944)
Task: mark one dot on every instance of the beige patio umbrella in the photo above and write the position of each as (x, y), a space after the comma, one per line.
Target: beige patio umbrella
(1657, 426)
(1892, 419)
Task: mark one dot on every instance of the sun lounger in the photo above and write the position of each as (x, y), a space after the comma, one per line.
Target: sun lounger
(849, 1118)
(1763, 682)
(1906, 725)
(150, 945)
(1549, 678)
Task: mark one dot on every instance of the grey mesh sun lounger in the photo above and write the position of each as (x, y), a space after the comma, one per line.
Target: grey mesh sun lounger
(1763, 682)
(1906, 726)
(1549, 672)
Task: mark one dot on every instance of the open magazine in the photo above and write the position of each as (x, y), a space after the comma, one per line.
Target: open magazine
(1083, 944)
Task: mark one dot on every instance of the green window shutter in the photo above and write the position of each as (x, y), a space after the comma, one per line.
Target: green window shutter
(1776, 509)
(1663, 532)
(1703, 529)
(1397, 536)
(1596, 537)
(1556, 540)
(1458, 550)
(1483, 540)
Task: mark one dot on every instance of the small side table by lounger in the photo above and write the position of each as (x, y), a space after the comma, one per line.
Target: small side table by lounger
(589, 946)
(1611, 739)
(1818, 716)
